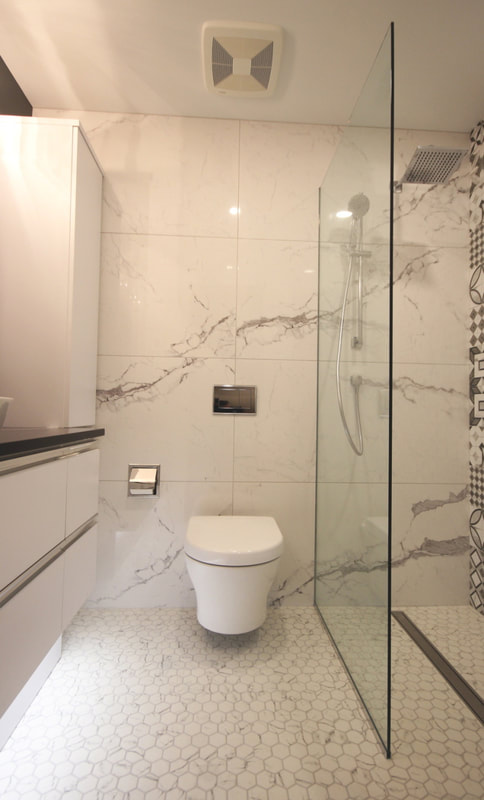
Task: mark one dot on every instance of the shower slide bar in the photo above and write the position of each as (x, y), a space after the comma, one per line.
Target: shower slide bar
(358, 205)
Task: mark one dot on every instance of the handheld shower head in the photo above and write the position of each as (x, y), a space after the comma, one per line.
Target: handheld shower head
(359, 205)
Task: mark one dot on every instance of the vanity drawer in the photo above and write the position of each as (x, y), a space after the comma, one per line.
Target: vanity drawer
(32, 503)
(30, 623)
(79, 574)
(82, 488)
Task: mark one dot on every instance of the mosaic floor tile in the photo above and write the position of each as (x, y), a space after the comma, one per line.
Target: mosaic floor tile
(145, 705)
(458, 633)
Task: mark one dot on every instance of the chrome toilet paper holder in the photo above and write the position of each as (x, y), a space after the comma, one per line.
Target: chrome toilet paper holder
(143, 480)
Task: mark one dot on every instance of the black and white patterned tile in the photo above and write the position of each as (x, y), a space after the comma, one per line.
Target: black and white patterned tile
(477, 578)
(476, 157)
(476, 380)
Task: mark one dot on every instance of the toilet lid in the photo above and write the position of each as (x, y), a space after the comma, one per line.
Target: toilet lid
(233, 541)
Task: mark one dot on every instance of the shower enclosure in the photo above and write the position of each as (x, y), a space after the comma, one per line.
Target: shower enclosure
(352, 581)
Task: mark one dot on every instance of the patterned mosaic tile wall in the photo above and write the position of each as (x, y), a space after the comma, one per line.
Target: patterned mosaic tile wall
(476, 292)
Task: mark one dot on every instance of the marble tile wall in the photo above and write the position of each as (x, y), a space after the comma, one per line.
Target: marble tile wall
(191, 296)
(352, 490)
(430, 537)
(476, 299)
(430, 392)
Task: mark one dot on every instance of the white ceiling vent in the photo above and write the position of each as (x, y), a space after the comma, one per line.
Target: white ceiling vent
(241, 58)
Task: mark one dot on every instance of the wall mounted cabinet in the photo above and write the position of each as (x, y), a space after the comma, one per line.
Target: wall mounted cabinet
(50, 220)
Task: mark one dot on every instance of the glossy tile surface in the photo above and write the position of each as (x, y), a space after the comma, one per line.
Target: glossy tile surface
(430, 295)
(431, 214)
(146, 705)
(141, 560)
(159, 411)
(430, 404)
(281, 322)
(167, 296)
(278, 443)
(281, 168)
(209, 275)
(430, 544)
(166, 175)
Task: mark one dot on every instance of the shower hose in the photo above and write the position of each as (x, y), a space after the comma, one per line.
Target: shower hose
(355, 380)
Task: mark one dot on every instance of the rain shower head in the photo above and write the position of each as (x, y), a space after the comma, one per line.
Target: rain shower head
(431, 164)
(358, 205)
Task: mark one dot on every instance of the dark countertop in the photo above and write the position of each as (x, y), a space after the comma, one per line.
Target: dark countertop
(15, 442)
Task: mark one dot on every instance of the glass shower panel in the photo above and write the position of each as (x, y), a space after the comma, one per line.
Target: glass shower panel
(354, 401)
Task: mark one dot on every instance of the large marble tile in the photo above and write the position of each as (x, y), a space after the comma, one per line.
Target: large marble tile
(430, 423)
(167, 295)
(159, 411)
(292, 506)
(166, 175)
(278, 443)
(430, 558)
(281, 168)
(277, 299)
(141, 562)
(431, 214)
(351, 544)
(337, 462)
(430, 304)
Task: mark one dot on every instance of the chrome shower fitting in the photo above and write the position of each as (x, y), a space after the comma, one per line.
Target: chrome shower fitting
(430, 164)
(359, 206)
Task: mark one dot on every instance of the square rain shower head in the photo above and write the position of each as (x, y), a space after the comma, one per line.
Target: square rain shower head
(431, 164)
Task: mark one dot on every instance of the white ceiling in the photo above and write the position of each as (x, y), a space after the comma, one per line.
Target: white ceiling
(144, 56)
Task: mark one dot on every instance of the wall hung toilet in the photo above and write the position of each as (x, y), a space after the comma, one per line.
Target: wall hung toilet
(232, 562)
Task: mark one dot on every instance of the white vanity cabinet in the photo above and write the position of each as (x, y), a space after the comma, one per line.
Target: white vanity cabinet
(32, 507)
(50, 221)
(47, 556)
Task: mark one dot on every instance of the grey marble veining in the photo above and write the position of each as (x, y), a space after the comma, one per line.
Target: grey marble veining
(193, 295)
(423, 506)
(141, 561)
(278, 326)
(195, 340)
(432, 547)
(126, 389)
(409, 388)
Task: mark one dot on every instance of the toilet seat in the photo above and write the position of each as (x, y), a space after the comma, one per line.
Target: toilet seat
(233, 541)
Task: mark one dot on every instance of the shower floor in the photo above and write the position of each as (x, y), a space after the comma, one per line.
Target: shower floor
(145, 704)
(458, 633)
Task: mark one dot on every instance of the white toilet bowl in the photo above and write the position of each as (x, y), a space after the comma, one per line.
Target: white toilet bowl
(232, 562)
